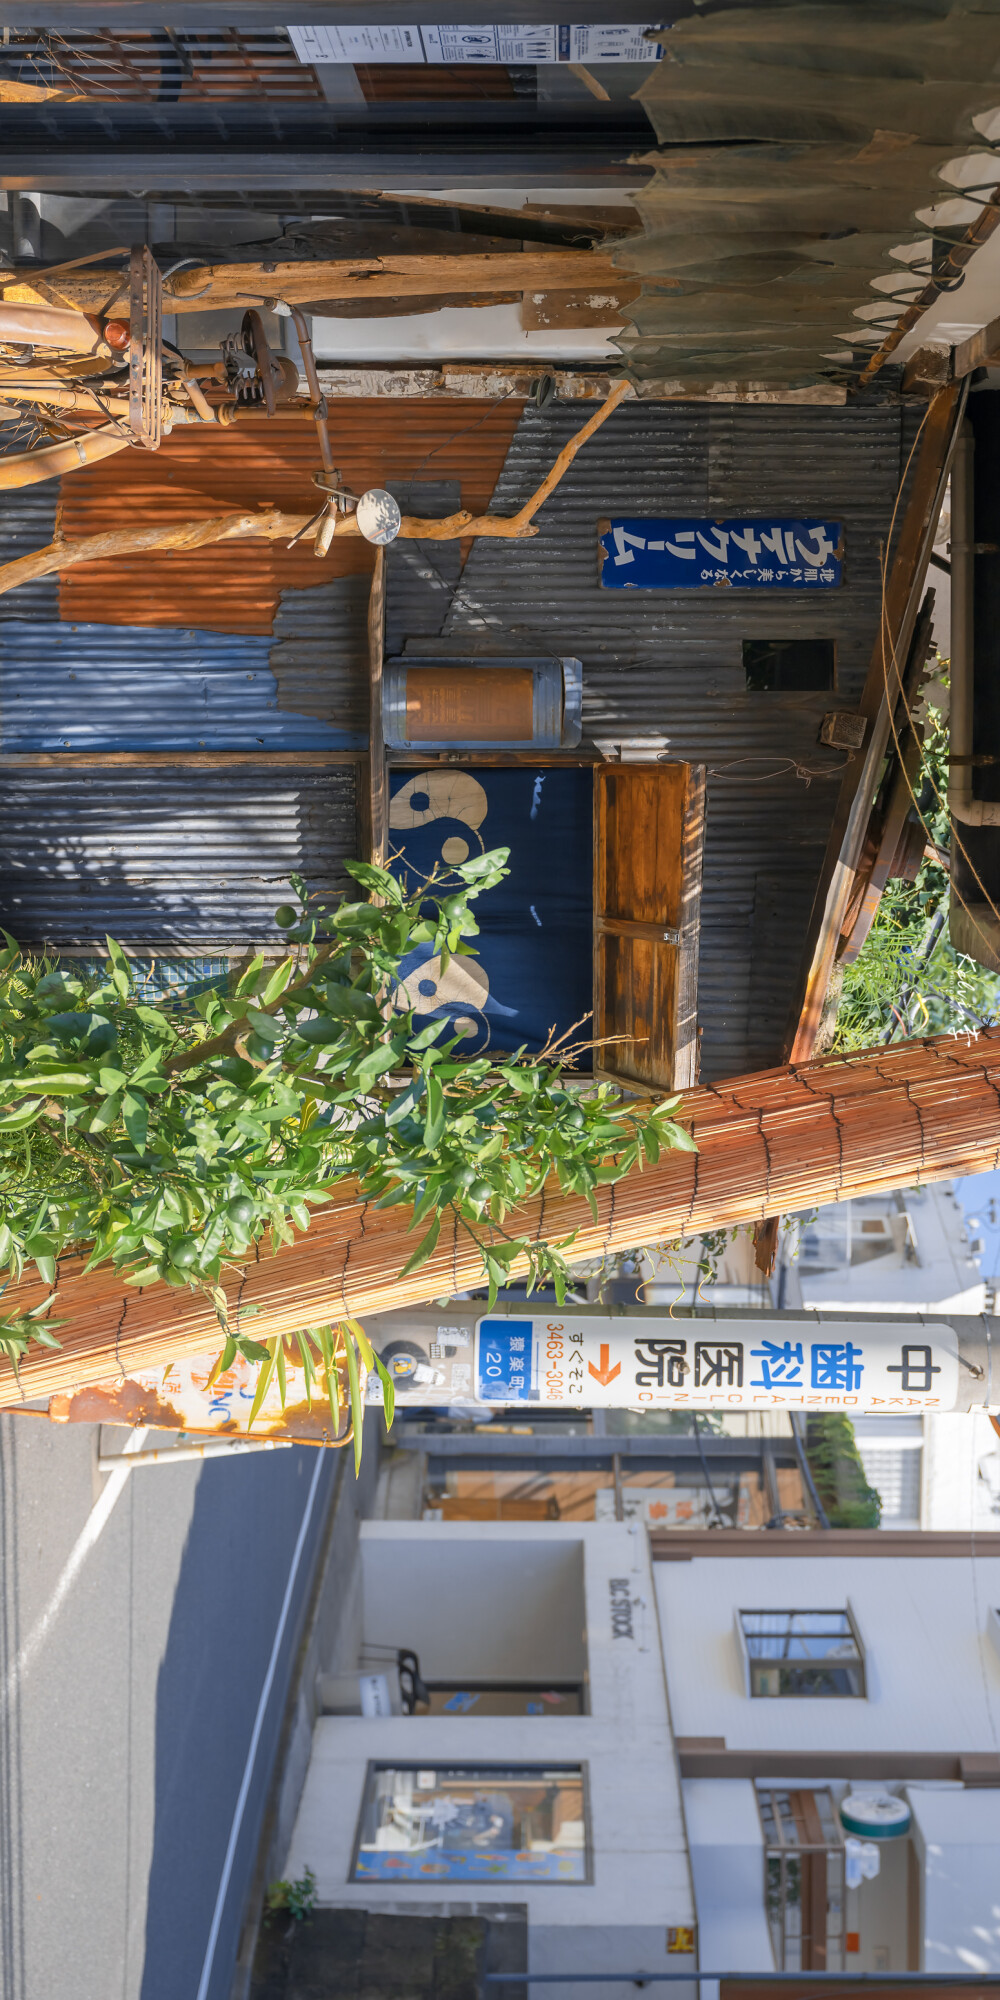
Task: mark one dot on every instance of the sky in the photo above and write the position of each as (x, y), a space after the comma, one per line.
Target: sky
(980, 1198)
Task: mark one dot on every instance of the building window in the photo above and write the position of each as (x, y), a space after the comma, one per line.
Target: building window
(804, 1879)
(786, 666)
(473, 1823)
(803, 1653)
(504, 1698)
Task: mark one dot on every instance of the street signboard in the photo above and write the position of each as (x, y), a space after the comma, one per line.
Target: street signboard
(602, 1363)
(765, 553)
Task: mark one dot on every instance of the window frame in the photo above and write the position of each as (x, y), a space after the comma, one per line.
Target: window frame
(577, 1771)
(858, 1662)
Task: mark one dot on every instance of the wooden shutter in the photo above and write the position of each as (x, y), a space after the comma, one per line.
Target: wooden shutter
(649, 824)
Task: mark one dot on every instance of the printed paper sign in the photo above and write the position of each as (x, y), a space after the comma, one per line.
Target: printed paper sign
(502, 44)
(766, 553)
(599, 1363)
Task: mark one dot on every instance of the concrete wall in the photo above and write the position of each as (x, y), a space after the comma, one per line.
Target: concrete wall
(957, 1834)
(933, 1675)
(727, 1863)
(518, 1615)
(470, 1572)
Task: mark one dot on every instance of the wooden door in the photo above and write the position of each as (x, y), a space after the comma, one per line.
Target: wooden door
(649, 822)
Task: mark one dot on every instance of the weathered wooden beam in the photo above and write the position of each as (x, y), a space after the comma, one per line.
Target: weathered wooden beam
(981, 350)
(209, 287)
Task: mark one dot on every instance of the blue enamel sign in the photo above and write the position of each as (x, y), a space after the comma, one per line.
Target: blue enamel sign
(763, 554)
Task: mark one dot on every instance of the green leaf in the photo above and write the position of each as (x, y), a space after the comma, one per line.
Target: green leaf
(388, 1392)
(308, 1370)
(248, 981)
(357, 1412)
(135, 1111)
(425, 1248)
(651, 1142)
(277, 982)
(437, 1114)
(678, 1138)
(121, 977)
(108, 1113)
(263, 1384)
(282, 1377)
(377, 880)
(55, 1082)
(16, 1121)
(328, 1352)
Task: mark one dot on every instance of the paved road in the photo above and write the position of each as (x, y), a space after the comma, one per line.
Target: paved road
(130, 1684)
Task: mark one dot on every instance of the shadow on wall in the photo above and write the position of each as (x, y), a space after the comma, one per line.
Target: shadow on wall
(182, 858)
(369, 1955)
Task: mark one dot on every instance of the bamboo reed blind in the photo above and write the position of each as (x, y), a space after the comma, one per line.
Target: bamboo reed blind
(782, 1139)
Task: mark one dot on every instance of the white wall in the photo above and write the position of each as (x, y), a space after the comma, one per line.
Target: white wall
(516, 1615)
(641, 1882)
(957, 1834)
(933, 1674)
(727, 1864)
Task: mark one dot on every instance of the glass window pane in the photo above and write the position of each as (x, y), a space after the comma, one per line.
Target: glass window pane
(520, 1496)
(459, 1700)
(472, 1823)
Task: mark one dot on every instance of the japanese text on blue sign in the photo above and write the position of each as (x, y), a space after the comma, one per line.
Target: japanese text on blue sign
(698, 555)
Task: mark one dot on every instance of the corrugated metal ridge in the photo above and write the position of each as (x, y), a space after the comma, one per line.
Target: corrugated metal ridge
(236, 587)
(118, 687)
(167, 856)
(27, 523)
(663, 672)
(319, 656)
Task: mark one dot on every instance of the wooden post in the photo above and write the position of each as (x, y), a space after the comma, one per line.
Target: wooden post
(783, 1139)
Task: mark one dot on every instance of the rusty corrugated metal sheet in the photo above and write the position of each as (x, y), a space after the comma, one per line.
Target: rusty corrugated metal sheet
(235, 587)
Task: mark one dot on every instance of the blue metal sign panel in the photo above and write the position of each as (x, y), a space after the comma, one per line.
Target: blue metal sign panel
(505, 1360)
(766, 554)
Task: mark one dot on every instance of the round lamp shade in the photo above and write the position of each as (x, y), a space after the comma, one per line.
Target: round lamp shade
(874, 1815)
(379, 517)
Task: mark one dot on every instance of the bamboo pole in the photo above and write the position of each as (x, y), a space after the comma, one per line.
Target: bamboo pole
(783, 1139)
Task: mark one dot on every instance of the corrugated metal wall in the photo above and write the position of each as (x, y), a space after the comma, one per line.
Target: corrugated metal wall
(167, 855)
(663, 672)
(235, 587)
(319, 656)
(27, 523)
(118, 687)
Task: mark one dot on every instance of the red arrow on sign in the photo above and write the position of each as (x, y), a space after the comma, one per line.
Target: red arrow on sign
(605, 1374)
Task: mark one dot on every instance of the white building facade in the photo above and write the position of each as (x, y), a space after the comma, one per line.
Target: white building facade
(646, 1743)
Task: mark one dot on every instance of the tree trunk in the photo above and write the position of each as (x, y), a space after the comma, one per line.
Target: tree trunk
(782, 1139)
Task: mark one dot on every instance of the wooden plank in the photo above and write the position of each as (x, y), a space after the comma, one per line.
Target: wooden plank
(881, 692)
(981, 350)
(206, 287)
(375, 833)
(648, 821)
(625, 927)
(545, 311)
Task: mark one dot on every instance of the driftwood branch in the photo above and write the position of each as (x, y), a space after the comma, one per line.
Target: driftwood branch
(271, 525)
